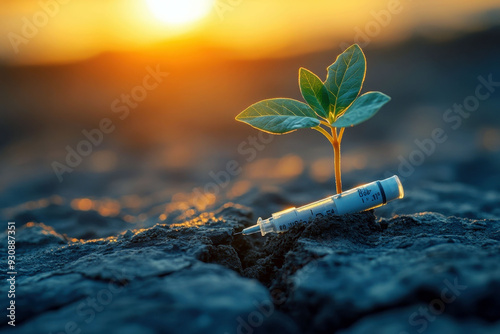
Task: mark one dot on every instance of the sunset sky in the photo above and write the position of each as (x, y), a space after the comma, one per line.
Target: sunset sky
(50, 31)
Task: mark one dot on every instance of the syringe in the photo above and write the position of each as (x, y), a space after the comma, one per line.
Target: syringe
(365, 197)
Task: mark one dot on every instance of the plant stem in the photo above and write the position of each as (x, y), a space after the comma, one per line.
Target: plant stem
(324, 133)
(336, 152)
(335, 141)
(341, 134)
(325, 123)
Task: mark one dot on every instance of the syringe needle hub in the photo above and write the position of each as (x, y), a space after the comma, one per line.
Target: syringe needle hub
(253, 229)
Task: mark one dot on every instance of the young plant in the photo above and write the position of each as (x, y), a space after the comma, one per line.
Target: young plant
(331, 106)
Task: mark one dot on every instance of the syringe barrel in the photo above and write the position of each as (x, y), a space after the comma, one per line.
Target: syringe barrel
(362, 198)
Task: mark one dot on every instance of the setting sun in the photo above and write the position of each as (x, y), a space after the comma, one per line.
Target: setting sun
(177, 12)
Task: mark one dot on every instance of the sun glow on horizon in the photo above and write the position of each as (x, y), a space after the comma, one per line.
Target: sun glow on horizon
(240, 29)
(179, 12)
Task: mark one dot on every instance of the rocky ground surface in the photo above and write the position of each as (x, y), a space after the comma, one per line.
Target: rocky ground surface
(357, 273)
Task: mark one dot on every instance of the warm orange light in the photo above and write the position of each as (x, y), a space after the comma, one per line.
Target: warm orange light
(83, 204)
(180, 12)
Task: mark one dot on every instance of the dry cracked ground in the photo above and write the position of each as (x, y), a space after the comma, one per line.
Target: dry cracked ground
(414, 273)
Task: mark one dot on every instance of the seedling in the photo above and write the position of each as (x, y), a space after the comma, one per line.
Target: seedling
(331, 106)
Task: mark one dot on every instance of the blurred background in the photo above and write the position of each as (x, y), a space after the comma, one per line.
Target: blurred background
(157, 85)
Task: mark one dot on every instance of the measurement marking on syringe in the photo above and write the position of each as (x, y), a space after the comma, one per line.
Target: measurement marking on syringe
(373, 198)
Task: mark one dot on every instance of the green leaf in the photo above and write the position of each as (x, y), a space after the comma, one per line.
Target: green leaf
(279, 116)
(344, 80)
(314, 92)
(362, 109)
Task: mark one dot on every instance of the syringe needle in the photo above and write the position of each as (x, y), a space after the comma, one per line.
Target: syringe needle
(237, 233)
